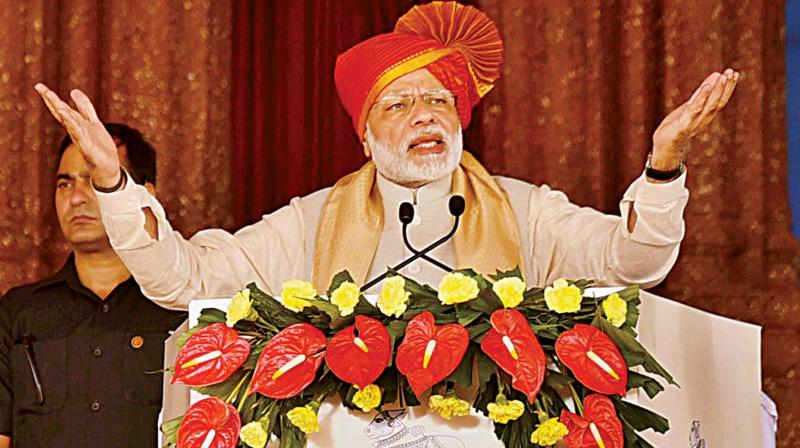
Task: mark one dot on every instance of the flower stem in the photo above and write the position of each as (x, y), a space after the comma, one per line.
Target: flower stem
(235, 390)
(578, 404)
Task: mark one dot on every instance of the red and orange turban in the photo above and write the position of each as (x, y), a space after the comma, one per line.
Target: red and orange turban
(458, 44)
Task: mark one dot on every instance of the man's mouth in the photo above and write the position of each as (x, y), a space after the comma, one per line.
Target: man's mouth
(427, 144)
(82, 218)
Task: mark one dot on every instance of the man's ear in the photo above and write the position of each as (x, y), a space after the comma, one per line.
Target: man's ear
(150, 188)
(367, 152)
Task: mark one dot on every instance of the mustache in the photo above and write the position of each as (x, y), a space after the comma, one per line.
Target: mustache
(428, 130)
(81, 213)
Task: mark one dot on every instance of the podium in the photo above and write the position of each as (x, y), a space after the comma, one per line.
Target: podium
(716, 361)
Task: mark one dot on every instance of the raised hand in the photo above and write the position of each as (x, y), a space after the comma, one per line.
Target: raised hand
(87, 133)
(671, 139)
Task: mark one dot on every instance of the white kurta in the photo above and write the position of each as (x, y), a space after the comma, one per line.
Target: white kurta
(560, 239)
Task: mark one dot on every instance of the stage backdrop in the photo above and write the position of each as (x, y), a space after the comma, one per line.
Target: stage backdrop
(238, 98)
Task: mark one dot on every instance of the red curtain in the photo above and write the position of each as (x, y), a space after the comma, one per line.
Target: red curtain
(290, 134)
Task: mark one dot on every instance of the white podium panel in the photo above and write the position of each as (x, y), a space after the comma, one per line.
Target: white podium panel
(717, 362)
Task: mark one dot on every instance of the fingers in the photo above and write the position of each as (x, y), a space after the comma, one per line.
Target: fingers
(723, 89)
(730, 86)
(84, 105)
(50, 99)
(714, 96)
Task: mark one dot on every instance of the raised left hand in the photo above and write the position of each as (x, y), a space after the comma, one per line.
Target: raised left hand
(671, 139)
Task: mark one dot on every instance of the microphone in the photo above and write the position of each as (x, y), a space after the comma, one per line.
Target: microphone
(406, 217)
(456, 207)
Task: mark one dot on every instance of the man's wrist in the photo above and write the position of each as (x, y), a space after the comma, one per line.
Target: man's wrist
(663, 170)
(121, 180)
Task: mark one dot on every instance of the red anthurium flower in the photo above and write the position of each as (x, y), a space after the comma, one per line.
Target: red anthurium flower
(594, 359)
(210, 356)
(512, 344)
(359, 359)
(599, 426)
(430, 353)
(289, 361)
(209, 423)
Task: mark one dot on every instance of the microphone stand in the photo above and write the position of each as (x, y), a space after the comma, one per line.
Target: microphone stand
(456, 207)
(433, 261)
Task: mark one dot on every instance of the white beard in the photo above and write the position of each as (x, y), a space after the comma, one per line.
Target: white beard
(395, 165)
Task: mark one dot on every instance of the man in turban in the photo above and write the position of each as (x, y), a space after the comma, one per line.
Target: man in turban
(410, 93)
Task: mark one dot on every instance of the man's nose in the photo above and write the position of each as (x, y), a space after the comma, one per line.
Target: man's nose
(81, 193)
(422, 113)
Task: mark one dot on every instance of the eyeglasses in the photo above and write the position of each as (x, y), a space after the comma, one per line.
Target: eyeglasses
(399, 104)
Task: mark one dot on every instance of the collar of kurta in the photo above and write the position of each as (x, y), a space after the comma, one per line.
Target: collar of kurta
(353, 217)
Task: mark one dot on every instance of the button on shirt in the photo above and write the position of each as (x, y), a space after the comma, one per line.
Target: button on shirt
(93, 387)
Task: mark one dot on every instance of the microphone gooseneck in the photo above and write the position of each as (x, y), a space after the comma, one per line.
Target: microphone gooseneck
(406, 216)
(456, 208)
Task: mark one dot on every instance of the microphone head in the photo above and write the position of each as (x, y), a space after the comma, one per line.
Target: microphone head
(406, 213)
(456, 205)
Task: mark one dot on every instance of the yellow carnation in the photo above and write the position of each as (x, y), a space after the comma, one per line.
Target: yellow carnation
(504, 411)
(456, 287)
(393, 298)
(305, 418)
(254, 434)
(294, 292)
(509, 290)
(346, 298)
(549, 432)
(563, 297)
(616, 309)
(448, 407)
(240, 308)
(368, 399)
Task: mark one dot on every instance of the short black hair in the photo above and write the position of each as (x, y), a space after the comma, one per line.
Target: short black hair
(141, 154)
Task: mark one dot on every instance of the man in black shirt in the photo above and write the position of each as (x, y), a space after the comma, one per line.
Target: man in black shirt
(76, 348)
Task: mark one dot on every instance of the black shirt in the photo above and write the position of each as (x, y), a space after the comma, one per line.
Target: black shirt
(90, 358)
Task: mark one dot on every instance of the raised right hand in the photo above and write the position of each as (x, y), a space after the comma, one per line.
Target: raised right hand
(87, 133)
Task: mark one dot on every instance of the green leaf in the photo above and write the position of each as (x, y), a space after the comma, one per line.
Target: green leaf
(557, 380)
(477, 331)
(516, 272)
(517, 433)
(640, 418)
(367, 309)
(408, 395)
(210, 316)
(180, 341)
(467, 315)
(388, 382)
(486, 368)
(271, 310)
(419, 291)
(462, 375)
(631, 296)
(326, 307)
(291, 436)
(486, 302)
(396, 329)
(170, 430)
(223, 389)
(650, 385)
(633, 352)
(338, 279)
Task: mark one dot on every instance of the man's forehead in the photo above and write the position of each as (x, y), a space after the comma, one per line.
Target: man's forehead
(415, 82)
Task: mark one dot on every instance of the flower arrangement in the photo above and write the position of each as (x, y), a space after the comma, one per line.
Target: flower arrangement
(547, 365)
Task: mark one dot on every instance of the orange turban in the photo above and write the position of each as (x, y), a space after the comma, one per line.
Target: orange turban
(458, 44)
